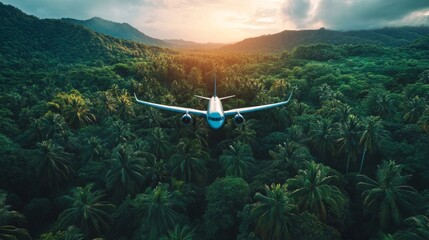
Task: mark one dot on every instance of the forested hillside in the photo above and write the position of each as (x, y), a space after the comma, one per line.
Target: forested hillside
(117, 30)
(346, 159)
(287, 40)
(27, 38)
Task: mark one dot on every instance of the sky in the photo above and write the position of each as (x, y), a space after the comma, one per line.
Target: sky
(233, 20)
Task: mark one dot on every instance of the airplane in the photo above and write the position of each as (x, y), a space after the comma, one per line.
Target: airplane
(215, 115)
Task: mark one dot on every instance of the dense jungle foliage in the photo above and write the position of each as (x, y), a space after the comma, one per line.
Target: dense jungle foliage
(346, 159)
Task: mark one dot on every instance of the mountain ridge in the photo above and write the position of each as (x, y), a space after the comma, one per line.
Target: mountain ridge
(118, 30)
(289, 39)
(26, 37)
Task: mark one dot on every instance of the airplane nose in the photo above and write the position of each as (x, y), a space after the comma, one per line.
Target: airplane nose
(216, 124)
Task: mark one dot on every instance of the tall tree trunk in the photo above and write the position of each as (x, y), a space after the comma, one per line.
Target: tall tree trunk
(347, 166)
(363, 159)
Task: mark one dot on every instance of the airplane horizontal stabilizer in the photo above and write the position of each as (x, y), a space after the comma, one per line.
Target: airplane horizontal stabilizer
(206, 98)
(223, 98)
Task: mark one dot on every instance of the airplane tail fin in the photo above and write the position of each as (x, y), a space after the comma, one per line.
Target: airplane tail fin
(214, 94)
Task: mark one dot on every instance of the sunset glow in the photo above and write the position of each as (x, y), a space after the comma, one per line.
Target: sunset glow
(230, 21)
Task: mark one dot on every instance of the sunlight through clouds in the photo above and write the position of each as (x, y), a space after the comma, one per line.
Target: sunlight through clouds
(233, 20)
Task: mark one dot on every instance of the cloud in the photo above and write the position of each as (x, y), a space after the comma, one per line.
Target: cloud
(355, 14)
(364, 14)
(297, 11)
(80, 9)
(233, 20)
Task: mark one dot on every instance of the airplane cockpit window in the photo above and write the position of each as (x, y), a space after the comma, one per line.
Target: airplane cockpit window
(216, 118)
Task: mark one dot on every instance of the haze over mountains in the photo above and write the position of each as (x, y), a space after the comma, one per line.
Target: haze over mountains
(27, 31)
(117, 30)
(128, 32)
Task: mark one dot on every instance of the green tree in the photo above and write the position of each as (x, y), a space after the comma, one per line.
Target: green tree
(322, 138)
(7, 217)
(88, 211)
(372, 135)
(48, 126)
(127, 173)
(54, 166)
(244, 133)
(180, 233)
(380, 102)
(96, 149)
(414, 109)
(225, 198)
(388, 198)
(189, 163)
(417, 229)
(120, 132)
(159, 142)
(159, 210)
(290, 155)
(348, 139)
(314, 191)
(236, 159)
(272, 212)
(124, 105)
(424, 121)
(73, 107)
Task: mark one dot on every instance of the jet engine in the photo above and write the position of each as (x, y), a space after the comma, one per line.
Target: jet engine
(186, 119)
(238, 119)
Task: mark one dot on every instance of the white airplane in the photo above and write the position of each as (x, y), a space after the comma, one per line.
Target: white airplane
(214, 115)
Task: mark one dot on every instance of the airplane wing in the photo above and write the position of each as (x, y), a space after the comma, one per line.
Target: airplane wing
(173, 108)
(255, 108)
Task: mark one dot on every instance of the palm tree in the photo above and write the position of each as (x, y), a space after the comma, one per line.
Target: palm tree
(296, 133)
(342, 113)
(124, 105)
(236, 159)
(272, 212)
(73, 108)
(418, 229)
(388, 197)
(373, 133)
(88, 212)
(73, 233)
(120, 131)
(96, 148)
(198, 130)
(189, 163)
(159, 142)
(244, 133)
(322, 137)
(49, 125)
(414, 108)
(180, 233)
(424, 77)
(55, 166)
(424, 120)
(348, 139)
(8, 231)
(313, 190)
(104, 104)
(290, 155)
(384, 104)
(159, 210)
(152, 118)
(127, 173)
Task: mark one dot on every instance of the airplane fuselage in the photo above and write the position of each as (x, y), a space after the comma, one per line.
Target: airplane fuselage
(215, 114)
